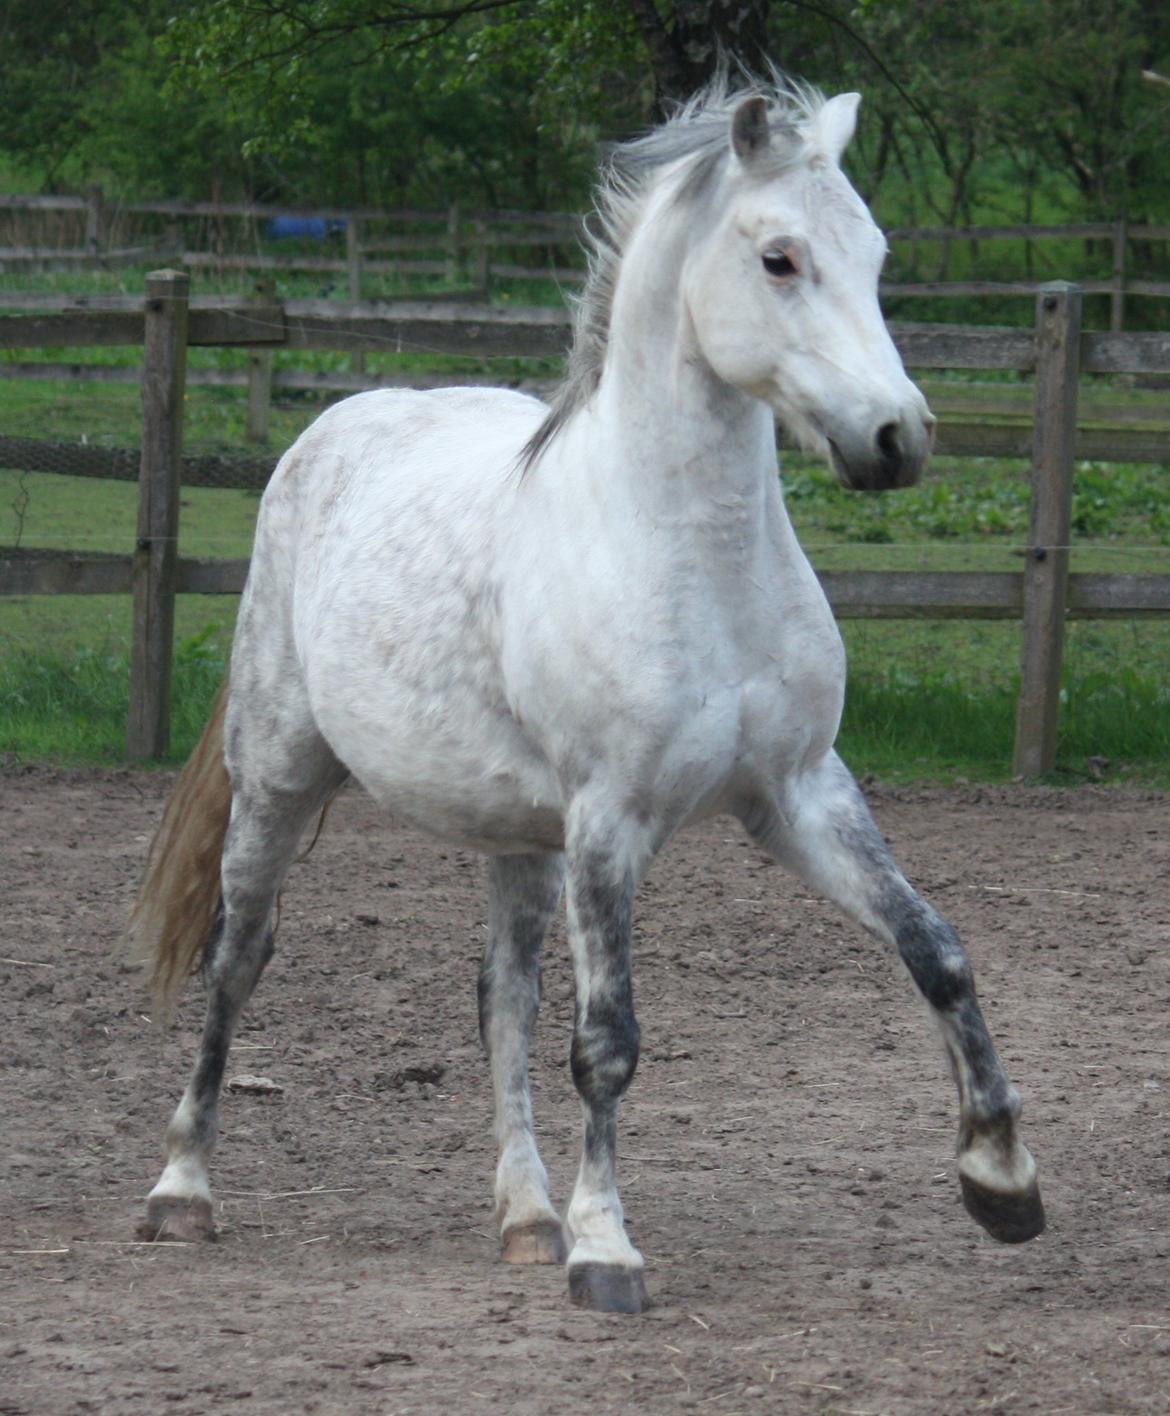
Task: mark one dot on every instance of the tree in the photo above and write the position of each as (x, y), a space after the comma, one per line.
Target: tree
(1010, 107)
(82, 83)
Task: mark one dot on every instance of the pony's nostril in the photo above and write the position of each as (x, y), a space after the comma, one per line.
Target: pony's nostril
(888, 444)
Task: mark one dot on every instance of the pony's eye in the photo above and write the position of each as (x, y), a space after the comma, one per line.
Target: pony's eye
(779, 264)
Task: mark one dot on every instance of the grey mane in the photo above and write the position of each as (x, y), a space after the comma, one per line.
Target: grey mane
(697, 138)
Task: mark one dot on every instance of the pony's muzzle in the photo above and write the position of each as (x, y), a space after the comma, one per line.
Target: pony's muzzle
(893, 455)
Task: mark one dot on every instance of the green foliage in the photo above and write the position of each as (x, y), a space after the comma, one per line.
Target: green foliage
(1037, 108)
(363, 106)
(904, 724)
(1008, 110)
(82, 100)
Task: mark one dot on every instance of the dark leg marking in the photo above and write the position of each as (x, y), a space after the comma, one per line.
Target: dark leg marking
(524, 893)
(605, 1270)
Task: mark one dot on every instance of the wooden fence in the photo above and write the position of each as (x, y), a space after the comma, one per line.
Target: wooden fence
(460, 246)
(472, 247)
(1043, 594)
(1119, 236)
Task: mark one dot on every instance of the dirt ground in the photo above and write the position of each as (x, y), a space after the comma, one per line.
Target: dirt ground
(787, 1147)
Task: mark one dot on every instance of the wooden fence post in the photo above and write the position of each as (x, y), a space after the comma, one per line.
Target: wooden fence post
(260, 369)
(1058, 330)
(453, 246)
(95, 213)
(164, 369)
(1117, 297)
(353, 268)
(482, 260)
(353, 257)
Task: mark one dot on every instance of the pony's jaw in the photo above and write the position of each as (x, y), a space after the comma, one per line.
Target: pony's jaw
(872, 443)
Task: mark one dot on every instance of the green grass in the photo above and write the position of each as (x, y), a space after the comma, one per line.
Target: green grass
(901, 723)
(943, 724)
(72, 707)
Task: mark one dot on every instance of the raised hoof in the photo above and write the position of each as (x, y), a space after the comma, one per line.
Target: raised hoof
(177, 1221)
(541, 1242)
(608, 1288)
(1012, 1219)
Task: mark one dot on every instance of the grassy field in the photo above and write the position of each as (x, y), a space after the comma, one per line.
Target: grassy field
(926, 699)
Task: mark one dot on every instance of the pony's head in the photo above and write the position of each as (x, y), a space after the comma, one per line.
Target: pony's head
(740, 203)
(781, 288)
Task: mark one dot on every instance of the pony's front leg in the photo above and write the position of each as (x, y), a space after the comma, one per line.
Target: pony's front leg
(524, 892)
(605, 1270)
(830, 839)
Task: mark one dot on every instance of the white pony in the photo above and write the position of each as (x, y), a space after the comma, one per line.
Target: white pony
(561, 635)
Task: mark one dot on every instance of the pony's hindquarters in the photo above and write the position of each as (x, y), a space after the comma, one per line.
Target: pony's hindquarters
(405, 528)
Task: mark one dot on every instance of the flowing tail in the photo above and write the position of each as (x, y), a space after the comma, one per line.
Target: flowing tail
(179, 898)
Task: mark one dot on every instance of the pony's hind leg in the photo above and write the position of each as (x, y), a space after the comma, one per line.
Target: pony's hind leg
(830, 839)
(524, 892)
(262, 837)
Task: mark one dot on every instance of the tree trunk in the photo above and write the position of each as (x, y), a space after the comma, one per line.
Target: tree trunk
(687, 46)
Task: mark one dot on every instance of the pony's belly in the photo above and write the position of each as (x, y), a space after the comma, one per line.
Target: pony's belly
(496, 823)
(489, 792)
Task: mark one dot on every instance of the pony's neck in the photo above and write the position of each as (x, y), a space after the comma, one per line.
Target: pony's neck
(682, 441)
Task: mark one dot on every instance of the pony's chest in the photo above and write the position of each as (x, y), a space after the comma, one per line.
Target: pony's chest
(682, 693)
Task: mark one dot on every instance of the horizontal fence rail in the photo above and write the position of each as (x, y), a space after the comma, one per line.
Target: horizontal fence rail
(445, 327)
(1042, 594)
(853, 594)
(473, 246)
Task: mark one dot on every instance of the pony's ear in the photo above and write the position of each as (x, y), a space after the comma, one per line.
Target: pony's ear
(834, 125)
(749, 128)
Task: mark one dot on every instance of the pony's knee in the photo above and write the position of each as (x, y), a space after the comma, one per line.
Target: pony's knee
(605, 1049)
(506, 999)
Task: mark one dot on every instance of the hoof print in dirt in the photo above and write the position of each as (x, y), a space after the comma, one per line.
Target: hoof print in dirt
(1012, 1219)
(608, 1288)
(542, 1242)
(177, 1222)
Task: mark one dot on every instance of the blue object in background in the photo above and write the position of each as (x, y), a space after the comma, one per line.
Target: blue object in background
(314, 228)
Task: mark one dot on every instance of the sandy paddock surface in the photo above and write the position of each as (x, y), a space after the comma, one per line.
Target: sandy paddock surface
(787, 1147)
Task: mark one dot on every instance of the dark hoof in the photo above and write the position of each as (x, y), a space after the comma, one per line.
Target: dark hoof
(177, 1221)
(1012, 1219)
(541, 1242)
(608, 1287)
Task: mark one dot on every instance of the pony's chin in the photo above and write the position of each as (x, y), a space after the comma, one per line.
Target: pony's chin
(873, 474)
